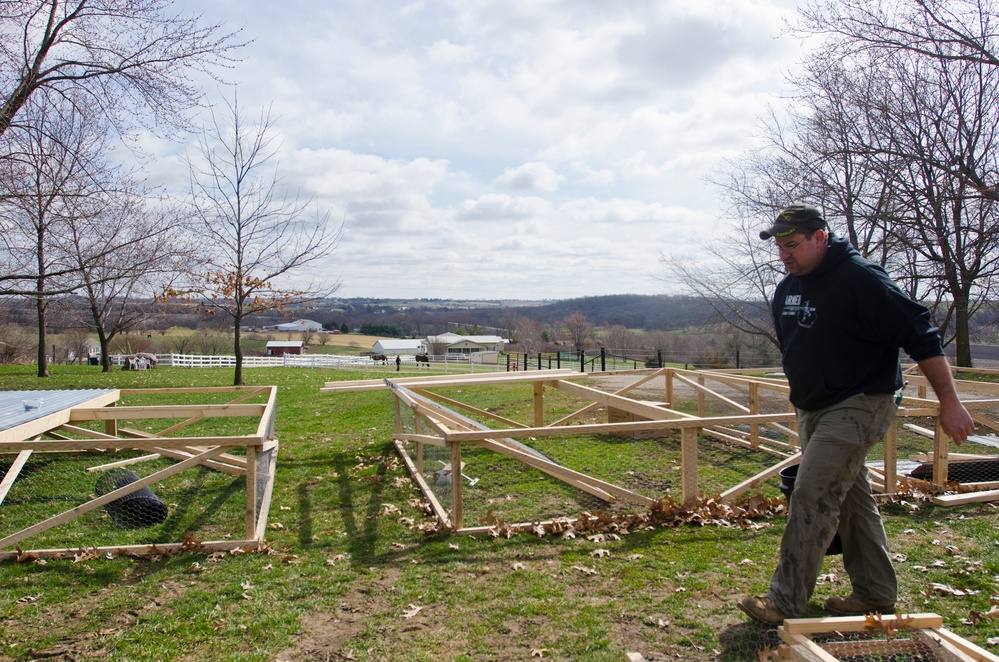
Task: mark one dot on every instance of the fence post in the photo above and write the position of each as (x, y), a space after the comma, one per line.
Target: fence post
(582, 360)
(659, 355)
(539, 360)
(603, 359)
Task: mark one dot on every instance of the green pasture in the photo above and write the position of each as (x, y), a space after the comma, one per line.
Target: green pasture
(349, 575)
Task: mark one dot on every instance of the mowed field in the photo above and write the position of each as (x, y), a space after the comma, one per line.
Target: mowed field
(348, 574)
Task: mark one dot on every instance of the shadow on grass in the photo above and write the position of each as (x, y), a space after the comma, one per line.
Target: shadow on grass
(187, 498)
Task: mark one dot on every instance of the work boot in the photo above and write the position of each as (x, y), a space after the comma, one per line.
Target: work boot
(762, 608)
(854, 605)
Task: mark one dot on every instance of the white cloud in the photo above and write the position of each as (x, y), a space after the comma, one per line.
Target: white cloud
(514, 148)
(531, 177)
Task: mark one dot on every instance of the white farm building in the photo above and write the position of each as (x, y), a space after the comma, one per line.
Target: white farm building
(396, 346)
(297, 325)
(452, 343)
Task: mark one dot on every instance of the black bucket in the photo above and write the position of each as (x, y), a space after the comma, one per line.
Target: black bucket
(787, 477)
(139, 509)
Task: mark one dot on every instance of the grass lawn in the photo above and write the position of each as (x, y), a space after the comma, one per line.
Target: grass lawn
(348, 577)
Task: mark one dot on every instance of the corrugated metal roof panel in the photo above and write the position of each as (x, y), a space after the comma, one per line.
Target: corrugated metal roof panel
(19, 407)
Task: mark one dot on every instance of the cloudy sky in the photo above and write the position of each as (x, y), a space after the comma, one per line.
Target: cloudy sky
(514, 149)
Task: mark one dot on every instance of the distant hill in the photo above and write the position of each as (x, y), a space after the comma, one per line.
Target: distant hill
(633, 311)
(416, 317)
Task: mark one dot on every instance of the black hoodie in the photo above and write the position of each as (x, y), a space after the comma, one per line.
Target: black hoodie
(840, 328)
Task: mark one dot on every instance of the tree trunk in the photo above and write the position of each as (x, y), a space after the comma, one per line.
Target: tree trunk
(962, 335)
(105, 356)
(238, 350)
(43, 362)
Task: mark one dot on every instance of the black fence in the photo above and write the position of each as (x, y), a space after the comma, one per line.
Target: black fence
(603, 359)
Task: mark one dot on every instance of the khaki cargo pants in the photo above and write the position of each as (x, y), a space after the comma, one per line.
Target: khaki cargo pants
(832, 492)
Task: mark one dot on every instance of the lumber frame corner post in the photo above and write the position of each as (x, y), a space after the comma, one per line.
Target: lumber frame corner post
(891, 457)
(754, 409)
(539, 404)
(669, 387)
(688, 462)
(700, 395)
(419, 445)
(940, 450)
(398, 414)
(111, 424)
(251, 490)
(456, 505)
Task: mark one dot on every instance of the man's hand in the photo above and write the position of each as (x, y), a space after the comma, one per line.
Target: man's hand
(954, 417)
(955, 420)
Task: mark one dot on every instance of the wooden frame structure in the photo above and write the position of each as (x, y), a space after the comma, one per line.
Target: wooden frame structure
(60, 432)
(919, 635)
(907, 636)
(762, 402)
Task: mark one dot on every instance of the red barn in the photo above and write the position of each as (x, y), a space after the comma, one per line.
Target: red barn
(282, 347)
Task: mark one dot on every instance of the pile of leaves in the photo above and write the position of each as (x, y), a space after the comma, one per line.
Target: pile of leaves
(744, 513)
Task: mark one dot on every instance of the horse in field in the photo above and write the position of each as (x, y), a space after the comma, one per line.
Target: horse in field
(380, 358)
(422, 358)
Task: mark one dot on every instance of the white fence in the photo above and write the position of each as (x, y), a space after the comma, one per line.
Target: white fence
(305, 361)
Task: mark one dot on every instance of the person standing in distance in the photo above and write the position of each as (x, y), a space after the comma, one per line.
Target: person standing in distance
(840, 321)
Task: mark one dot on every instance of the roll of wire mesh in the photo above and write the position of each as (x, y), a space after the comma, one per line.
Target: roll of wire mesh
(136, 510)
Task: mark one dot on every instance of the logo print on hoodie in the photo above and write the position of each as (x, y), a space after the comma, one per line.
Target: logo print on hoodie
(806, 314)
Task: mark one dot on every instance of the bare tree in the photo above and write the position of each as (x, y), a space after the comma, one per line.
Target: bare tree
(41, 188)
(621, 339)
(256, 237)
(213, 343)
(578, 330)
(182, 342)
(883, 139)
(734, 276)
(125, 56)
(937, 29)
(126, 252)
(927, 99)
(945, 113)
(529, 335)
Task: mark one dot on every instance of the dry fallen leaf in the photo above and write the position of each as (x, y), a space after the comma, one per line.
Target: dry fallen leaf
(584, 570)
(600, 553)
(518, 566)
(411, 611)
(538, 652)
(944, 589)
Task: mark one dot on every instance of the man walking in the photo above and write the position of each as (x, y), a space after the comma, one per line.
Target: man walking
(841, 321)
